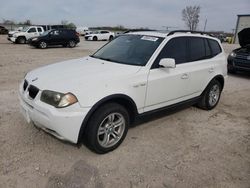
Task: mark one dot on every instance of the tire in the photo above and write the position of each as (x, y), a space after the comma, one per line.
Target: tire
(111, 38)
(94, 38)
(107, 128)
(21, 40)
(211, 96)
(72, 44)
(43, 45)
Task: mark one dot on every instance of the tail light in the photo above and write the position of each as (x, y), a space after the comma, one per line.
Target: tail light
(78, 34)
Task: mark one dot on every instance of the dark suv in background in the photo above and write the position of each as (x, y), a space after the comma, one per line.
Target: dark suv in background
(239, 59)
(64, 37)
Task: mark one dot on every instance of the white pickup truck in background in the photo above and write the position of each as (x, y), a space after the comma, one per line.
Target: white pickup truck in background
(28, 32)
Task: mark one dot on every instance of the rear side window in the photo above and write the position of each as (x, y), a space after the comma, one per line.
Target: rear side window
(197, 49)
(215, 47)
(176, 48)
(39, 29)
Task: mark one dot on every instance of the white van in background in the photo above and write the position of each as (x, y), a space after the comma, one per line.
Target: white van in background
(82, 30)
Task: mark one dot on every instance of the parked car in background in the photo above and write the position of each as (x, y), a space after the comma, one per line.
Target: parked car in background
(239, 59)
(82, 30)
(94, 99)
(3, 30)
(28, 32)
(100, 35)
(64, 37)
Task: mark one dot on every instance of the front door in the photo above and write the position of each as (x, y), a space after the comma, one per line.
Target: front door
(168, 86)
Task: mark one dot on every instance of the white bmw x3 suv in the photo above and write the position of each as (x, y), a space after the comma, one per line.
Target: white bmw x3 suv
(94, 99)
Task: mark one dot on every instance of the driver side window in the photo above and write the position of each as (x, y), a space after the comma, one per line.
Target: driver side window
(175, 48)
(32, 30)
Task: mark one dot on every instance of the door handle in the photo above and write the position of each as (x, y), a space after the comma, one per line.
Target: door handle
(184, 76)
(211, 70)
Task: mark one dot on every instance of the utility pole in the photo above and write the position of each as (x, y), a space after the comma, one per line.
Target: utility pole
(169, 27)
(205, 25)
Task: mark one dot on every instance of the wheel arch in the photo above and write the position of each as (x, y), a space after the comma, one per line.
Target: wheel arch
(21, 36)
(219, 78)
(121, 99)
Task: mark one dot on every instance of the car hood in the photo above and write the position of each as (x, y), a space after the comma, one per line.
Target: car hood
(244, 37)
(13, 32)
(20, 33)
(73, 75)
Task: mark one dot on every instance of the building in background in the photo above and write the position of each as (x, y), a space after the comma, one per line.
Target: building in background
(243, 21)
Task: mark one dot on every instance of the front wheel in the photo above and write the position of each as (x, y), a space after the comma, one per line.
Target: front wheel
(43, 45)
(21, 40)
(107, 128)
(211, 95)
(72, 44)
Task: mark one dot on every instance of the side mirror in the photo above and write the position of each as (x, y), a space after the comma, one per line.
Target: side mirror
(167, 63)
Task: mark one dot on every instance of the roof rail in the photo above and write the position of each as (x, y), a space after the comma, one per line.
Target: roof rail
(187, 31)
(138, 30)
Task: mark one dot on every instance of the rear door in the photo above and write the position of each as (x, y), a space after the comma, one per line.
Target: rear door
(202, 62)
(40, 30)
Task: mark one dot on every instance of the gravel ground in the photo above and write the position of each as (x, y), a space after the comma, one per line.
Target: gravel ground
(189, 148)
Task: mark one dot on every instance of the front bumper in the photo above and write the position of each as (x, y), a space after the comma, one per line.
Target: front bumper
(63, 123)
(88, 38)
(238, 64)
(12, 39)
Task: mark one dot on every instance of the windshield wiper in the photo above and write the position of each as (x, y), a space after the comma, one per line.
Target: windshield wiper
(105, 59)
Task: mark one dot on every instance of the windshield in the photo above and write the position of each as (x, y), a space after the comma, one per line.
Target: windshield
(25, 29)
(129, 49)
(46, 32)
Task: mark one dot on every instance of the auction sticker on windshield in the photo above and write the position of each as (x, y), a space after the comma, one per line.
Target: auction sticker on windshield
(153, 39)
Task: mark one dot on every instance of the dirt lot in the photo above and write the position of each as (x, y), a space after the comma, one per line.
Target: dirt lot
(190, 148)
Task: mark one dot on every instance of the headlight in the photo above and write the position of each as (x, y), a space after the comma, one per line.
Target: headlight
(232, 54)
(58, 100)
(34, 39)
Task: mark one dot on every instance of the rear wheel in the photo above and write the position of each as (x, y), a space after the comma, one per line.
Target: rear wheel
(94, 38)
(211, 95)
(107, 128)
(72, 44)
(111, 37)
(43, 45)
(21, 40)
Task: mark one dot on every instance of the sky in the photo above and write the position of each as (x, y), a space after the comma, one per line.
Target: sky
(221, 15)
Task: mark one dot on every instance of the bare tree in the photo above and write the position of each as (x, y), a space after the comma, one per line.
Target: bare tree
(8, 22)
(27, 22)
(190, 15)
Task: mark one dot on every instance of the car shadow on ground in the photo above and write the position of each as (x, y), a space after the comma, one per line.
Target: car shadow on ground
(141, 119)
